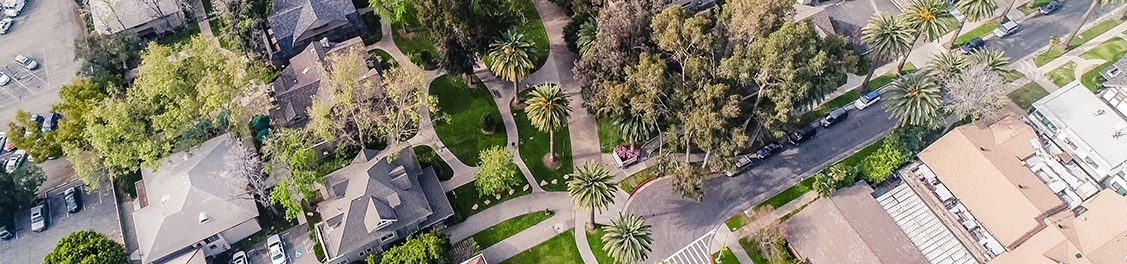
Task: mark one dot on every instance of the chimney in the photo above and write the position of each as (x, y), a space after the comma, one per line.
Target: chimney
(325, 42)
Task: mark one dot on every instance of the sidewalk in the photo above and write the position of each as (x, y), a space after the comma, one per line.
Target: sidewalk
(1038, 74)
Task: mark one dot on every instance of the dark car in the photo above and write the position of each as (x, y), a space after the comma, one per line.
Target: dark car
(801, 135)
(834, 116)
(743, 163)
(1050, 7)
(70, 196)
(4, 234)
(768, 150)
(51, 122)
(972, 46)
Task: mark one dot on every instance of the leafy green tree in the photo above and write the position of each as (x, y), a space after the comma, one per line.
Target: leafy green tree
(914, 98)
(290, 159)
(592, 187)
(888, 37)
(750, 20)
(395, 12)
(27, 135)
(496, 172)
(17, 190)
(107, 56)
(77, 100)
(711, 121)
(634, 129)
(824, 185)
(511, 58)
(427, 247)
(243, 18)
(973, 10)
(880, 164)
(458, 33)
(572, 28)
(623, 33)
(930, 20)
(405, 94)
(641, 95)
(87, 247)
(1084, 19)
(682, 34)
(548, 110)
(628, 239)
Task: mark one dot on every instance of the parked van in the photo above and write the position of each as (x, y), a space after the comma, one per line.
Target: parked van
(867, 100)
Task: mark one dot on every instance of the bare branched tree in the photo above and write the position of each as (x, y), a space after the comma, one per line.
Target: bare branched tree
(243, 163)
(977, 91)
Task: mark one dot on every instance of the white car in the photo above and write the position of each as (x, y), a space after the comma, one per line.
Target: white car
(239, 258)
(5, 25)
(15, 161)
(867, 100)
(4, 78)
(277, 251)
(1005, 28)
(26, 62)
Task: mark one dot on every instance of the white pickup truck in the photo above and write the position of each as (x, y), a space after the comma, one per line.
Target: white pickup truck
(12, 8)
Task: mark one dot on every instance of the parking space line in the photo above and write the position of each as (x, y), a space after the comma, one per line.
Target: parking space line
(24, 86)
(33, 74)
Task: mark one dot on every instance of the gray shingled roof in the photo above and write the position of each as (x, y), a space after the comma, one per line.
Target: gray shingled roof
(301, 80)
(1114, 74)
(293, 18)
(130, 13)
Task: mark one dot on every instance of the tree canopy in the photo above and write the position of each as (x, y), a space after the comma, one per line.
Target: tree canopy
(496, 172)
(87, 247)
(429, 247)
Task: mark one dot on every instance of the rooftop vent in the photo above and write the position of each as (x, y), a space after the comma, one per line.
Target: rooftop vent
(1099, 112)
(164, 199)
(204, 217)
(325, 42)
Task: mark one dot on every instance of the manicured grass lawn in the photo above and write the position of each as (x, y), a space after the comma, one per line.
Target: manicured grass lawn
(1108, 51)
(428, 158)
(1092, 78)
(533, 146)
(976, 32)
(736, 222)
(854, 160)
(1092, 32)
(724, 256)
(609, 135)
(464, 197)
(753, 251)
(1064, 74)
(534, 30)
(1013, 75)
(789, 194)
(828, 106)
(375, 29)
(557, 250)
(460, 110)
(418, 40)
(1026, 95)
(632, 182)
(879, 81)
(386, 60)
(510, 227)
(595, 240)
(1043, 58)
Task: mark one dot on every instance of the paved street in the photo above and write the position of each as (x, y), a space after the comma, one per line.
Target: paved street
(98, 213)
(1034, 32)
(44, 31)
(677, 222)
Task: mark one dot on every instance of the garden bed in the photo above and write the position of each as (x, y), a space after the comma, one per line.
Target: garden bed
(466, 196)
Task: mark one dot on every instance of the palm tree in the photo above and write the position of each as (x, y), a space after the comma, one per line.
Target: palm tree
(973, 10)
(548, 109)
(914, 98)
(588, 31)
(993, 59)
(946, 65)
(592, 187)
(929, 18)
(627, 239)
(634, 129)
(1068, 39)
(511, 58)
(888, 37)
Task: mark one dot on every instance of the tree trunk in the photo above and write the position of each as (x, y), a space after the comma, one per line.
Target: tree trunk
(900, 65)
(865, 84)
(1007, 10)
(1068, 40)
(591, 224)
(552, 144)
(951, 42)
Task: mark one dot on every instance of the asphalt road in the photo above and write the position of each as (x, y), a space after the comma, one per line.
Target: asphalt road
(98, 213)
(44, 31)
(677, 222)
(1034, 32)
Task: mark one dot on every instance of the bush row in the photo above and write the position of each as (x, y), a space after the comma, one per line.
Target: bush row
(875, 162)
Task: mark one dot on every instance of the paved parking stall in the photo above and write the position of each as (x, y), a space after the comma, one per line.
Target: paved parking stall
(98, 213)
(45, 31)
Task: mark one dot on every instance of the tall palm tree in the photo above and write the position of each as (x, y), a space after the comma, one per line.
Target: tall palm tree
(1068, 39)
(548, 109)
(946, 65)
(627, 239)
(511, 57)
(914, 98)
(592, 187)
(888, 37)
(973, 10)
(634, 129)
(929, 18)
(993, 59)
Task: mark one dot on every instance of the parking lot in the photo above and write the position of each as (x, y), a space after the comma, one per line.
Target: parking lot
(98, 213)
(45, 31)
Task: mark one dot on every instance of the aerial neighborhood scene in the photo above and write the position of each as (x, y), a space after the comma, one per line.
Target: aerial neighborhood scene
(563, 131)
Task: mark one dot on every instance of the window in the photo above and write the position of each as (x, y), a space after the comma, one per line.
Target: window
(1070, 144)
(211, 238)
(382, 224)
(1044, 121)
(387, 237)
(360, 254)
(1091, 162)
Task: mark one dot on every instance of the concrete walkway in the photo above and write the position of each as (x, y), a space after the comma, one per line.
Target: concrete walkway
(1082, 65)
(555, 201)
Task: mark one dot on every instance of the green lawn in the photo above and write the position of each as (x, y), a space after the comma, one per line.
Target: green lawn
(375, 29)
(557, 250)
(976, 32)
(724, 256)
(534, 30)
(736, 222)
(908, 67)
(1092, 78)
(1064, 74)
(595, 240)
(879, 81)
(609, 135)
(417, 41)
(533, 146)
(465, 197)
(1013, 75)
(632, 182)
(428, 158)
(460, 110)
(1044, 58)
(789, 194)
(854, 159)
(828, 106)
(181, 37)
(753, 251)
(1026, 95)
(1092, 32)
(218, 27)
(1110, 50)
(510, 227)
(1036, 4)
(386, 60)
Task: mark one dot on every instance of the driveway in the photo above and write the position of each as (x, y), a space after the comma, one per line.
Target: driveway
(98, 213)
(851, 15)
(44, 31)
(298, 246)
(1035, 31)
(677, 222)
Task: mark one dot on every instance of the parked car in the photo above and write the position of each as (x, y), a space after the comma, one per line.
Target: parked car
(239, 258)
(5, 25)
(51, 122)
(834, 116)
(4, 79)
(797, 137)
(26, 62)
(277, 251)
(4, 234)
(867, 100)
(743, 163)
(768, 150)
(972, 46)
(70, 196)
(39, 216)
(15, 161)
(1005, 29)
(1050, 7)
(8, 145)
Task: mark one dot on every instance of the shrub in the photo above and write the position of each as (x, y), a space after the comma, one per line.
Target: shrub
(488, 124)
(571, 30)
(877, 166)
(824, 185)
(843, 175)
